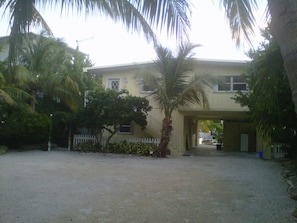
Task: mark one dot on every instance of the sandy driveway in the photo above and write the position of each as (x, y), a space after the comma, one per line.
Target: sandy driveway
(58, 187)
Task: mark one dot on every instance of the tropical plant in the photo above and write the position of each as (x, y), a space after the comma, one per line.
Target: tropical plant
(108, 110)
(283, 27)
(45, 59)
(21, 127)
(269, 96)
(10, 92)
(136, 15)
(175, 86)
(10, 95)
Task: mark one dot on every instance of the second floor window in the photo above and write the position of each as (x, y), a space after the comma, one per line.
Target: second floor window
(147, 87)
(232, 83)
(113, 84)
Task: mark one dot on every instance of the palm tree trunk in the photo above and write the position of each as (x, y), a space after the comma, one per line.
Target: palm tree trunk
(165, 137)
(284, 28)
(33, 104)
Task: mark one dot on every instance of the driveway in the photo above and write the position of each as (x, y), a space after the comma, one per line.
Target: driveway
(214, 187)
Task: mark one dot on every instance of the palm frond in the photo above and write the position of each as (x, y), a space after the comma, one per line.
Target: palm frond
(177, 85)
(13, 96)
(172, 14)
(62, 87)
(137, 15)
(241, 18)
(5, 98)
(195, 91)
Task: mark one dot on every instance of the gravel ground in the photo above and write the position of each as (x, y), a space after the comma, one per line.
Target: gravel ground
(214, 187)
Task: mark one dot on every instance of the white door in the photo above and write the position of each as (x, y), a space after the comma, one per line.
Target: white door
(244, 142)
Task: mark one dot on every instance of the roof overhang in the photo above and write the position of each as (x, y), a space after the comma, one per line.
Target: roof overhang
(122, 67)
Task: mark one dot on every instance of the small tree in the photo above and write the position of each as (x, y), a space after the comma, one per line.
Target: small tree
(108, 109)
(176, 86)
(269, 97)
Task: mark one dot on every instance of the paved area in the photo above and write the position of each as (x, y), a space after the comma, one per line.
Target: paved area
(208, 187)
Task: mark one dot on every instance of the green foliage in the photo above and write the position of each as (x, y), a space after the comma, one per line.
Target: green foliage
(88, 146)
(24, 127)
(135, 15)
(108, 109)
(50, 67)
(124, 147)
(215, 127)
(47, 79)
(176, 86)
(136, 148)
(3, 149)
(269, 97)
(10, 92)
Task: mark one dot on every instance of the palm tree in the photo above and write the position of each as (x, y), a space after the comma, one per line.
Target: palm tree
(283, 26)
(176, 86)
(135, 14)
(11, 93)
(45, 60)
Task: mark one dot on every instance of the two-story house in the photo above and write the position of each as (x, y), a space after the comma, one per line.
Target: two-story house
(239, 133)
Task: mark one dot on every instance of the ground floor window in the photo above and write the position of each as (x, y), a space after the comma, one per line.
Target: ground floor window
(126, 129)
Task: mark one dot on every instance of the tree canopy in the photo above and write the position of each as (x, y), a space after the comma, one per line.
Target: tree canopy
(109, 109)
(269, 96)
(176, 85)
(47, 79)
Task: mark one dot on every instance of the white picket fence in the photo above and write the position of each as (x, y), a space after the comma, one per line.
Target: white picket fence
(279, 150)
(90, 138)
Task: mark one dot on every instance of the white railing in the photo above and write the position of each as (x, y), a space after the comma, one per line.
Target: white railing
(83, 139)
(86, 138)
(279, 150)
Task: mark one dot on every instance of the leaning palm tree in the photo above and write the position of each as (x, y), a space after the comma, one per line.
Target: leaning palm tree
(283, 26)
(135, 14)
(176, 86)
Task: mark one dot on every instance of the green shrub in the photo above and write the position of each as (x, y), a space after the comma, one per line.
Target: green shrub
(88, 146)
(26, 128)
(124, 147)
(136, 148)
(3, 149)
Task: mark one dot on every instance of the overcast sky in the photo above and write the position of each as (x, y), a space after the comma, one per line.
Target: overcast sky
(108, 43)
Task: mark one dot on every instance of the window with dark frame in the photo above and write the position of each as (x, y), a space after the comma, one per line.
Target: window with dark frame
(147, 87)
(114, 84)
(125, 129)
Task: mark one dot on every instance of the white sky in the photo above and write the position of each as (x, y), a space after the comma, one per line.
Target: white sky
(108, 43)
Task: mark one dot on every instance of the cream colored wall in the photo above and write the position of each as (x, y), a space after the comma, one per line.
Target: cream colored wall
(177, 142)
(231, 138)
(218, 101)
(155, 116)
(232, 132)
(264, 145)
(127, 81)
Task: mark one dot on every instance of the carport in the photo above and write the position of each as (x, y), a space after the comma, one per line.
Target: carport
(239, 133)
